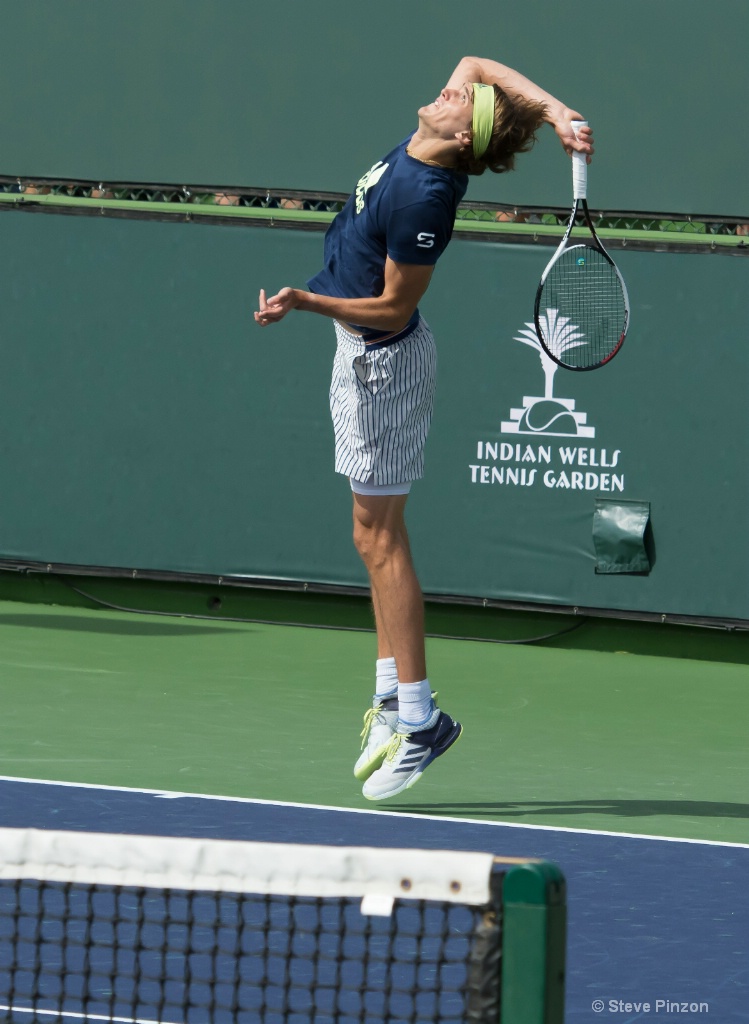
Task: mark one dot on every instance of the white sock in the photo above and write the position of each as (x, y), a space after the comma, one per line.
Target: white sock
(386, 682)
(415, 704)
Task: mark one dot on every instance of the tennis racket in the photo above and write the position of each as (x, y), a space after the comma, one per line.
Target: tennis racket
(582, 309)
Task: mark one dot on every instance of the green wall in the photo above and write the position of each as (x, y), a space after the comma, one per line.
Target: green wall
(307, 95)
(146, 422)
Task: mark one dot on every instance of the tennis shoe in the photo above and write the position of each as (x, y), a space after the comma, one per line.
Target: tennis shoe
(408, 754)
(379, 725)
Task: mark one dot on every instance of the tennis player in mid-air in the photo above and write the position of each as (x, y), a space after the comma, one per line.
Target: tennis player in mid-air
(380, 252)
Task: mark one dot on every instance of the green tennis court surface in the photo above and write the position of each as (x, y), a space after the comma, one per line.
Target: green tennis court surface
(650, 743)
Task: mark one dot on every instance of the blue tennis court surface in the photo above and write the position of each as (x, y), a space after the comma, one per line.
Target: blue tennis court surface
(657, 927)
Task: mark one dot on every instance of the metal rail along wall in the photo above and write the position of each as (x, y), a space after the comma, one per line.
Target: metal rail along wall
(147, 423)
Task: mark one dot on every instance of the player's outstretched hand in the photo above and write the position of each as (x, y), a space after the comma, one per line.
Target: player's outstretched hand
(275, 308)
(582, 142)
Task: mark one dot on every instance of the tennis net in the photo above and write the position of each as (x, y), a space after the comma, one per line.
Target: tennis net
(182, 931)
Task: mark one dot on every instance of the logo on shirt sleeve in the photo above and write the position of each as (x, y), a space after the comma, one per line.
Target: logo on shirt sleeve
(425, 239)
(366, 182)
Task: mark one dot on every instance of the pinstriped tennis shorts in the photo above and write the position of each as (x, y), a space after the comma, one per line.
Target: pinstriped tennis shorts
(381, 402)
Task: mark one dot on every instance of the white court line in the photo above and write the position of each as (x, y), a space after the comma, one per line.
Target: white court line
(81, 1016)
(176, 795)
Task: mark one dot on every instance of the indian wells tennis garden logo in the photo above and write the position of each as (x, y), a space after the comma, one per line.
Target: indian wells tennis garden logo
(555, 417)
(576, 464)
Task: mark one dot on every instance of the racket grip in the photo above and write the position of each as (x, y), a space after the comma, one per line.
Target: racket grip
(579, 168)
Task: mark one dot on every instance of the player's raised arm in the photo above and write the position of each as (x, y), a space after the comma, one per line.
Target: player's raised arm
(517, 86)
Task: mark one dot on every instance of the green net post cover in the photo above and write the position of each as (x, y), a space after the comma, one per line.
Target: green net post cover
(535, 927)
(619, 536)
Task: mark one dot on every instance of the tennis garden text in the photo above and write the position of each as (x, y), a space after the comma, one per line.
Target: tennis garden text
(565, 467)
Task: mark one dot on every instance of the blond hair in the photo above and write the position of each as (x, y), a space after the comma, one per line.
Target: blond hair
(516, 122)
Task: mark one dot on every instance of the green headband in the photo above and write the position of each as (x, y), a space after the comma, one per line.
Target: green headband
(483, 117)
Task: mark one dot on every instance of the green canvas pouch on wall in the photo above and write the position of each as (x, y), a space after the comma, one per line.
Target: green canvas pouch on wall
(619, 536)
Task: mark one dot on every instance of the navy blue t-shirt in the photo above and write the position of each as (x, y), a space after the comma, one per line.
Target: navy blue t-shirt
(401, 208)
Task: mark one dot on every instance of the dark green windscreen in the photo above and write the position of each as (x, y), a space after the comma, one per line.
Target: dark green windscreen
(307, 95)
(146, 422)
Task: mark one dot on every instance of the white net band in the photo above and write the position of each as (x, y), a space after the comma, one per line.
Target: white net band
(232, 866)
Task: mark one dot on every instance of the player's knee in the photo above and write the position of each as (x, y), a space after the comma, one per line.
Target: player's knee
(375, 542)
(365, 539)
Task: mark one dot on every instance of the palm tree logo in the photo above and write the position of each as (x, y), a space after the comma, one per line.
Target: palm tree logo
(545, 414)
(562, 334)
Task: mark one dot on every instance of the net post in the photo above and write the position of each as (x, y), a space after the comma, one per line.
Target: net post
(533, 954)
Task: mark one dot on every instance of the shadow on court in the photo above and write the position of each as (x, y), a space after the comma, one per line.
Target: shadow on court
(615, 808)
(159, 627)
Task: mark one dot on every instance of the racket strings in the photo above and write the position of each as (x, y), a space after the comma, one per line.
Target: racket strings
(582, 308)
